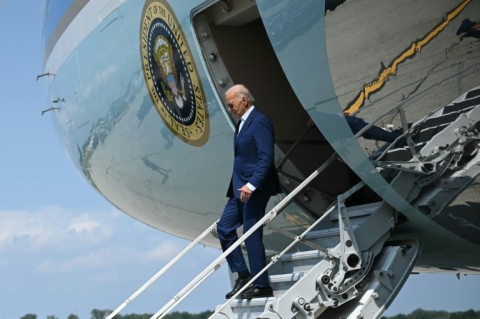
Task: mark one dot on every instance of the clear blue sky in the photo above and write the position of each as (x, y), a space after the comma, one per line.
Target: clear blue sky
(64, 249)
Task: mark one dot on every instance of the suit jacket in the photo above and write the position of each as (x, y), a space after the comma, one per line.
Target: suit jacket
(253, 157)
(374, 132)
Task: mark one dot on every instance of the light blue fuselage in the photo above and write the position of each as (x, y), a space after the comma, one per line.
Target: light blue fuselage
(126, 150)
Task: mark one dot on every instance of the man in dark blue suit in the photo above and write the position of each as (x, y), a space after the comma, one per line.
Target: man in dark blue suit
(254, 180)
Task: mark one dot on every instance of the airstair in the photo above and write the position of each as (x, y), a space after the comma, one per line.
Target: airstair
(356, 276)
(344, 265)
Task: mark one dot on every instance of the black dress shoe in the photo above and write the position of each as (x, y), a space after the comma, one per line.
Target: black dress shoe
(257, 293)
(239, 283)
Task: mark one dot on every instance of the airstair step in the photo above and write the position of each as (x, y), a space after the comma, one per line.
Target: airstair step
(299, 261)
(449, 114)
(302, 255)
(286, 278)
(470, 100)
(402, 154)
(472, 93)
(281, 283)
(427, 133)
(398, 155)
(322, 234)
(246, 308)
(443, 119)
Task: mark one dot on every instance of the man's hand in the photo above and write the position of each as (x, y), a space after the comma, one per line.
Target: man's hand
(245, 193)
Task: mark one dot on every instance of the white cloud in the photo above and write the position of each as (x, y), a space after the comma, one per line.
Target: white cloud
(107, 257)
(52, 228)
(62, 241)
(92, 260)
(83, 224)
(166, 250)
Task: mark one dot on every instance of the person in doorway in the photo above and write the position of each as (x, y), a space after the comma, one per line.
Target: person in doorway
(254, 180)
(374, 132)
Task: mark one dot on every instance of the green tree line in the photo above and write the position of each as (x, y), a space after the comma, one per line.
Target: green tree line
(423, 314)
(103, 313)
(417, 314)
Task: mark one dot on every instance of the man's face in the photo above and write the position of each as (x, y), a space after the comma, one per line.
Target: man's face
(236, 105)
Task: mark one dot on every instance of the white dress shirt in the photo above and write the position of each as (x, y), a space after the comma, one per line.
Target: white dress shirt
(242, 121)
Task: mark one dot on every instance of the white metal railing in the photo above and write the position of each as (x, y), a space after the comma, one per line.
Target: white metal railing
(296, 240)
(216, 263)
(275, 259)
(183, 293)
(163, 270)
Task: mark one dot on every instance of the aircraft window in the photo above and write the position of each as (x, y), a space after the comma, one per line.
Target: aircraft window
(54, 11)
(58, 15)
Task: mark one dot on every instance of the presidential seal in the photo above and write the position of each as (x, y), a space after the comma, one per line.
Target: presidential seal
(171, 75)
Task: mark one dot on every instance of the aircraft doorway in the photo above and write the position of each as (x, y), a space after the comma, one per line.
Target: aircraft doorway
(236, 49)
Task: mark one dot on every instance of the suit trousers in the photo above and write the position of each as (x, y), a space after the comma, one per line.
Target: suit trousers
(234, 215)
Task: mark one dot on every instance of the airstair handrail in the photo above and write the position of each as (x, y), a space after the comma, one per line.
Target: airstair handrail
(297, 239)
(163, 270)
(216, 263)
(414, 126)
(275, 259)
(399, 107)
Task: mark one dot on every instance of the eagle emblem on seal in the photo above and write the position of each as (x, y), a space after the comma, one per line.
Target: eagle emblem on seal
(170, 74)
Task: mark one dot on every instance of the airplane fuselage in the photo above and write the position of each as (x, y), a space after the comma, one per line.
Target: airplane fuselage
(139, 104)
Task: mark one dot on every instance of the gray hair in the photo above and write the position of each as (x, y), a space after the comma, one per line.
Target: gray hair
(240, 91)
